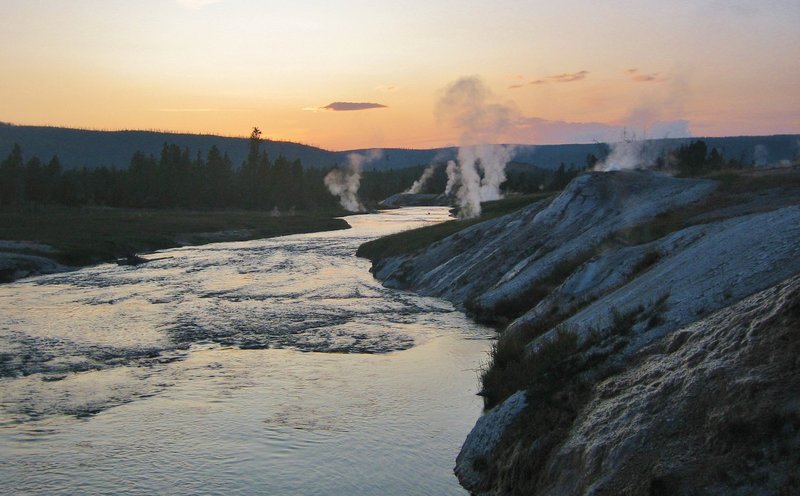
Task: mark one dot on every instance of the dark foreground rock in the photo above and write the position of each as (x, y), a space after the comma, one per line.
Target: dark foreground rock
(711, 409)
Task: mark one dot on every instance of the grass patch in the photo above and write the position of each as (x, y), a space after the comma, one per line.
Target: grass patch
(87, 235)
(417, 239)
(513, 368)
(559, 378)
(754, 180)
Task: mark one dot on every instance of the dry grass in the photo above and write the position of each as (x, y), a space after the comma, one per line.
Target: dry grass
(86, 235)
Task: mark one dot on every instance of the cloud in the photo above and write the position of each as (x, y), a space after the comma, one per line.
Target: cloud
(350, 106)
(389, 88)
(639, 77)
(567, 77)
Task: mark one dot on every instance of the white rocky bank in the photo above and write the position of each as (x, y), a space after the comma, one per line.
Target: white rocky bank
(700, 395)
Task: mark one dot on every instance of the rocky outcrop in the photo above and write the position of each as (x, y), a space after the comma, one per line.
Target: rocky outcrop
(696, 271)
(491, 267)
(473, 460)
(667, 315)
(712, 409)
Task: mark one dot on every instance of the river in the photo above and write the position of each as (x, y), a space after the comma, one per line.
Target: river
(276, 366)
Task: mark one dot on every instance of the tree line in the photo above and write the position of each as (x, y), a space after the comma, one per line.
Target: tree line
(178, 179)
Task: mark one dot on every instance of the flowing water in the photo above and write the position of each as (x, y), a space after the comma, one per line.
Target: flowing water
(275, 366)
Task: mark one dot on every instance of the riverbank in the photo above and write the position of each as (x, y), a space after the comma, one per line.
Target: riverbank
(46, 239)
(407, 242)
(620, 274)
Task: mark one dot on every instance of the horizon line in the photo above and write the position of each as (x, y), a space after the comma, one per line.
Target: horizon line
(230, 136)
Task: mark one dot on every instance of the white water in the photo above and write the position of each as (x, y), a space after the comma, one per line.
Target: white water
(122, 380)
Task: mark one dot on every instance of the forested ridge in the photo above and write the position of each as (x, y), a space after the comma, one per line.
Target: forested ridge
(181, 178)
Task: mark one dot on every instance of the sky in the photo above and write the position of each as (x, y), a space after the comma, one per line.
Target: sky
(365, 74)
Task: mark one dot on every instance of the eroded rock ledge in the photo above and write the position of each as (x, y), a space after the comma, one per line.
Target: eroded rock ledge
(711, 409)
(653, 325)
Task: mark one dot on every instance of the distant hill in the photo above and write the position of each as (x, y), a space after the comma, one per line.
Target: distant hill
(77, 148)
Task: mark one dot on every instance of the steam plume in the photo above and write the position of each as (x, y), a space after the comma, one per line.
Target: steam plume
(480, 169)
(629, 153)
(420, 183)
(625, 154)
(345, 183)
(453, 177)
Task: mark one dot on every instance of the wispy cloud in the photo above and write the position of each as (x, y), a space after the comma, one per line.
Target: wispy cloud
(351, 106)
(567, 77)
(640, 77)
(388, 88)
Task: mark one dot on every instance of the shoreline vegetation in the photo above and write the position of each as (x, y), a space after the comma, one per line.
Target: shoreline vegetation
(417, 239)
(82, 236)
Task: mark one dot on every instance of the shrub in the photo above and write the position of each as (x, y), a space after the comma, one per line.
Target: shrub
(512, 367)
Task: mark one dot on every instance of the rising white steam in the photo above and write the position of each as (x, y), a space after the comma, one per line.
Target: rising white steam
(629, 153)
(480, 169)
(624, 155)
(420, 183)
(453, 177)
(345, 183)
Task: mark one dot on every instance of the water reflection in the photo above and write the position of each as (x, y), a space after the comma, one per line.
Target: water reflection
(185, 349)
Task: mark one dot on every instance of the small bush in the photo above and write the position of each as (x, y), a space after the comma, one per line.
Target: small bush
(512, 367)
(622, 323)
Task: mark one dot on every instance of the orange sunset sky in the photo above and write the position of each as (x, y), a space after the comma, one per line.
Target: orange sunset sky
(569, 70)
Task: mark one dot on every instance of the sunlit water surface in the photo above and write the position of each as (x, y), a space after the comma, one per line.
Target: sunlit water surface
(275, 366)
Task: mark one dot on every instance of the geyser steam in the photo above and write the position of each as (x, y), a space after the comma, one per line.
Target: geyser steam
(345, 183)
(631, 153)
(624, 155)
(420, 183)
(480, 167)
